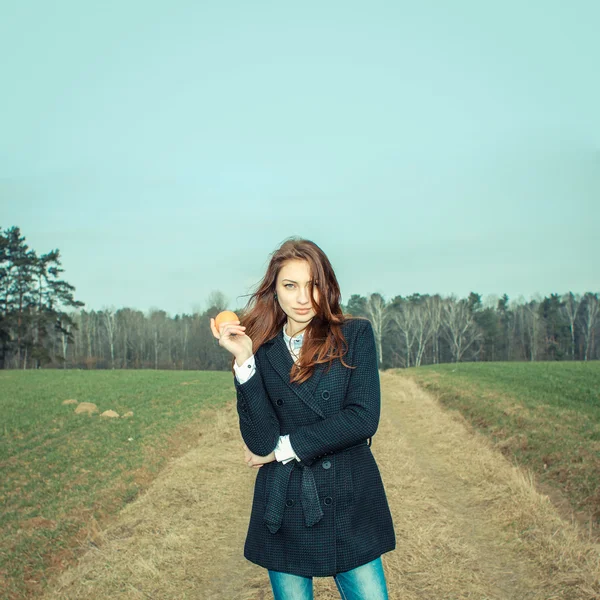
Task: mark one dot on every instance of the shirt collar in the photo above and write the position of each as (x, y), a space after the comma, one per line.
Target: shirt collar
(297, 339)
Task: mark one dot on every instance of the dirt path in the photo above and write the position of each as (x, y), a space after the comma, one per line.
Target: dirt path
(469, 525)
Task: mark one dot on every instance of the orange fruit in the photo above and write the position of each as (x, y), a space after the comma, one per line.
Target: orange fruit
(225, 317)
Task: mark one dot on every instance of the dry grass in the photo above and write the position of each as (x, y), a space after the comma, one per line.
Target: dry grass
(474, 525)
(469, 525)
(183, 535)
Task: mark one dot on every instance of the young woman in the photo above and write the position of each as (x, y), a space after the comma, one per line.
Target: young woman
(308, 401)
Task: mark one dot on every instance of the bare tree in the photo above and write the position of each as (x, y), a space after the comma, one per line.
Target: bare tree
(110, 325)
(411, 317)
(510, 323)
(375, 309)
(571, 308)
(64, 338)
(433, 308)
(125, 328)
(185, 333)
(530, 328)
(157, 324)
(217, 299)
(89, 331)
(589, 321)
(459, 327)
(402, 317)
(423, 327)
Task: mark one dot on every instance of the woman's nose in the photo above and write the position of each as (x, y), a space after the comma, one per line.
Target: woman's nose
(303, 296)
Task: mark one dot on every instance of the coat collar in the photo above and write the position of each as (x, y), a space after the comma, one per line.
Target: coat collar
(281, 360)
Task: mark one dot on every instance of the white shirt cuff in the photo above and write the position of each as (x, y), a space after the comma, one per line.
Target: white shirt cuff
(245, 370)
(284, 451)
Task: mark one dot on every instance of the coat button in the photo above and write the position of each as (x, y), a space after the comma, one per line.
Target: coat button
(289, 502)
(279, 402)
(328, 500)
(326, 464)
(325, 394)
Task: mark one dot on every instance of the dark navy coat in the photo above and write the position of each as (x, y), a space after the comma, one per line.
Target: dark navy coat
(327, 513)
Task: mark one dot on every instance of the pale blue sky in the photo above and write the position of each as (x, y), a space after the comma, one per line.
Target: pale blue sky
(167, 148)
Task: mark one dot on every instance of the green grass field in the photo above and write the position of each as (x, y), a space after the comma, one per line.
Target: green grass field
(61, 470)
(545, 416)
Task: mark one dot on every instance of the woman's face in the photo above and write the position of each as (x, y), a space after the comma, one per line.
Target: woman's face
(293, 294)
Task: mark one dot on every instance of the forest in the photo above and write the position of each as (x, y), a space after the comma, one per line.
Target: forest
(43, 325)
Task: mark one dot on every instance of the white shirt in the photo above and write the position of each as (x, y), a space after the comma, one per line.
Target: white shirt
(283, 451)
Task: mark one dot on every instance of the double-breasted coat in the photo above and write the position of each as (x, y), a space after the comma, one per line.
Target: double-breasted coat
(328, 512)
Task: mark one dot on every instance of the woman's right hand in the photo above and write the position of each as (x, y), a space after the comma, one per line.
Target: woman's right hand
(231, 336)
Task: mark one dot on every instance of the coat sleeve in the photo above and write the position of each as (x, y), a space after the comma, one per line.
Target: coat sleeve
(259, 424)
(359, 418)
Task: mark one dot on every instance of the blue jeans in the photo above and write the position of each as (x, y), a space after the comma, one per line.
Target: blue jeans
(366, 582)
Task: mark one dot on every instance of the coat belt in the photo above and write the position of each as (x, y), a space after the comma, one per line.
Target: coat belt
(311, 503)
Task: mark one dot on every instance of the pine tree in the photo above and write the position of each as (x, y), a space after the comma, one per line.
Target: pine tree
(32, 302)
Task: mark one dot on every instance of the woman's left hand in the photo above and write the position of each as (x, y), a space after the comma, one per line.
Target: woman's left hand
(253, 460)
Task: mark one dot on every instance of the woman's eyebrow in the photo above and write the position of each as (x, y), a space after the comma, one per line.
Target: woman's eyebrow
(295, 281)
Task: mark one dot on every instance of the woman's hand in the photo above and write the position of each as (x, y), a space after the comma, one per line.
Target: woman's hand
(253, 460)
(231, 336)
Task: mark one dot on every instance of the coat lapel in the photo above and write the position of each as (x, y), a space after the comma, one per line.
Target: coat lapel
(281, 360)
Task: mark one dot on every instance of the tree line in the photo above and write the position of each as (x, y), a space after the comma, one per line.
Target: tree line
(43, 325)
(430, 329)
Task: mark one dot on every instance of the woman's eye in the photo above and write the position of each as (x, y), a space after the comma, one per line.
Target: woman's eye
(291, 285)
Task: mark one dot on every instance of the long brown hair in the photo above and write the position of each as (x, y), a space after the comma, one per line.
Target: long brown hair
(263, 317)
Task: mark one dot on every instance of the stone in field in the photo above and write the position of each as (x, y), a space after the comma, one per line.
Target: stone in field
(110, 413)
(128, 414)
(70, 401)
(86, 407)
